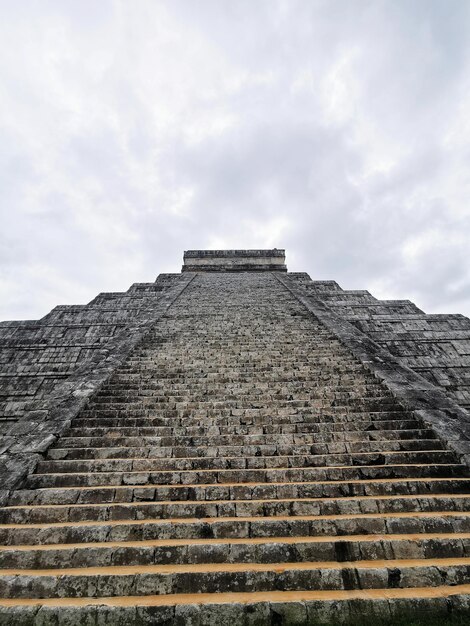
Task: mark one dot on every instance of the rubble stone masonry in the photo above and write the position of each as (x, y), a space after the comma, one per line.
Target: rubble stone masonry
(235, 442)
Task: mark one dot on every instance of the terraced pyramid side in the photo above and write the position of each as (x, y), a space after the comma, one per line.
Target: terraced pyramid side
(252, 459)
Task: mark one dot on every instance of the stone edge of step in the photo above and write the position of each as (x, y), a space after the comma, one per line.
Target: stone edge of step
(281, 608)
(446, 418)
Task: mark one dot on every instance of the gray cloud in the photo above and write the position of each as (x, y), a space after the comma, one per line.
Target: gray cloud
(339, 130)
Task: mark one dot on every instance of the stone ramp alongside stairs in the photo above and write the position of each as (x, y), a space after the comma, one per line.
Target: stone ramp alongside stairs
(240, 465)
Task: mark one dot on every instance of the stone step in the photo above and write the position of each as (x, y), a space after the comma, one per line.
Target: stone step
(237, 350)
(389, 523)
(219, 374)
(177, 363)
(252, 550)
(203, 341)
(306, 358)
(282, 378)
(318, 422)
(188, 429)
(331, 383)
(213, 341)
(310, 439)
(328, 467)
(212, 398)
(173, 408)
(308, 413)
(249, 406)
(322, 378)
(325, 384)
(212, 439)
(332, 438)
(97, 464)
(137, 490)
(89, 509)
(333, 454)
(131, 580)
(188, 471)
(175, 373)
(284, 608)
(232, 355)
(245, 401)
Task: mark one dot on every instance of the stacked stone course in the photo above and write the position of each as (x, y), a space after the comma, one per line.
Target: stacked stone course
(37, 356)
(435, 346)
(240, 463)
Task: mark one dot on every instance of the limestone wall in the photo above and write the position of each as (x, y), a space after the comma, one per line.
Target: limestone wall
(435, 346)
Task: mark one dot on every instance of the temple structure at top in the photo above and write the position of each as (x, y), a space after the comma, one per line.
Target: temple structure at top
(234, 261)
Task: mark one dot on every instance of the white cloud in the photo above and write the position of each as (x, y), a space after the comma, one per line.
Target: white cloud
(130, 132)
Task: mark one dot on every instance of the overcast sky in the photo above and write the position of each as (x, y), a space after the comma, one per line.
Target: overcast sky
(132, 130)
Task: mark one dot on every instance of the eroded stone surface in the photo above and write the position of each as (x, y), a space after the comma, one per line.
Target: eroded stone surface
(240, 437)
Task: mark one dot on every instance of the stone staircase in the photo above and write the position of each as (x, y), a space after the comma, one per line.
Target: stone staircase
(241, 465)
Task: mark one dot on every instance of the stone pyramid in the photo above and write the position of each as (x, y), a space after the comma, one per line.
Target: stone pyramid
(235, 444)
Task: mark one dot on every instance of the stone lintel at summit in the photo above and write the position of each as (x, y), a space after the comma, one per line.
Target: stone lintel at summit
(234, 261)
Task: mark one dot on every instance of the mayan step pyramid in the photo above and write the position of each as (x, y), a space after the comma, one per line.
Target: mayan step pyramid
(235, 444)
